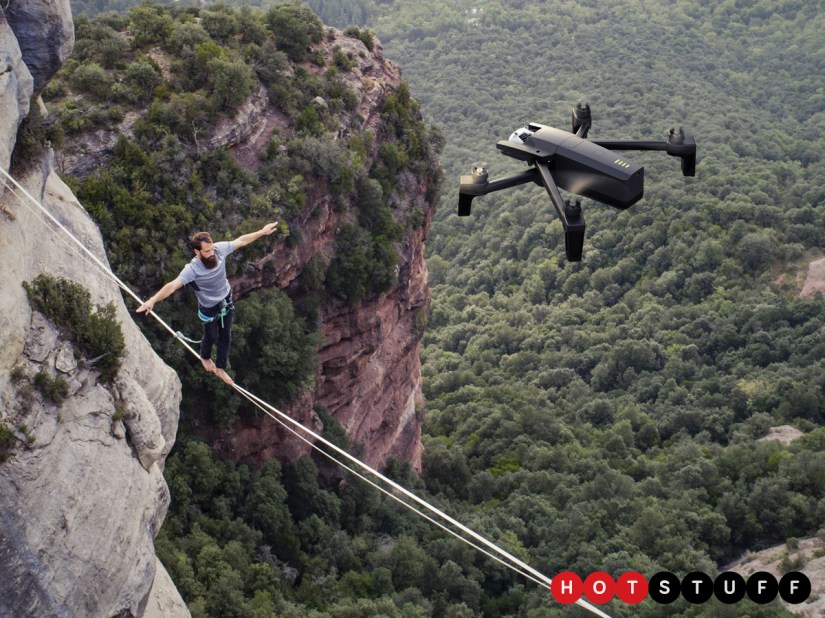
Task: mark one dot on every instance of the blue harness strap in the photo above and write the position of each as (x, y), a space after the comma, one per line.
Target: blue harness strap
(225, 308)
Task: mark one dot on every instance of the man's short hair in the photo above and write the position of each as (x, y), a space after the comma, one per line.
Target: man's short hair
(197, 239)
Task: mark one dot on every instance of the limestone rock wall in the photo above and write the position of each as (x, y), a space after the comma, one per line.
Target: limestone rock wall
(16, 87)
(45, 33)
(82, 493)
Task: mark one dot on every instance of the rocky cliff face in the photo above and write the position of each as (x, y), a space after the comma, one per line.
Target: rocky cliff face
(369, 375)
(16, 86)
(82, 493)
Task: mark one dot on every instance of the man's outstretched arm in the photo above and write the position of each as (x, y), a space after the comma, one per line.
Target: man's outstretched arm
(243, 241)
(165, 292)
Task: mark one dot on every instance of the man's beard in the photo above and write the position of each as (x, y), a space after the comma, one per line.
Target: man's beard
(210, 262)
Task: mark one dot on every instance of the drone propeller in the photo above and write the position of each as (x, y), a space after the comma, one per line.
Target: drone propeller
(569, 213)
(581, 119)
(477, 183)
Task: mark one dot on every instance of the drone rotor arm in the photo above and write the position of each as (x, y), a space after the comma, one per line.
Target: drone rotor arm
(474, 185)
(678, 145)
(626, 144)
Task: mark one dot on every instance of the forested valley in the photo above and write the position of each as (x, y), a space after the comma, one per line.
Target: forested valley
(601, 415)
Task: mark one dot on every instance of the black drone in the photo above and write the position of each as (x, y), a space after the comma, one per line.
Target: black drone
(584, 167)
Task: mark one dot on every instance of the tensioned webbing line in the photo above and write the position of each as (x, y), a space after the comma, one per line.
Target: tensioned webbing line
(384, 490)
(492, 550)
(261, 405)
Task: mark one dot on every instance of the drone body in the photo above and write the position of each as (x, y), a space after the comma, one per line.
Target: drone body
(580, 166)
(559, 159)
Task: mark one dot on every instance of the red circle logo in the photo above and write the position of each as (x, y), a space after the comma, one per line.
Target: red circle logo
(599, 587)
(631, 587)
(566, 587)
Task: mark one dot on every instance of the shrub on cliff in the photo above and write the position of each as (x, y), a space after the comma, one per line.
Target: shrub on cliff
(95, 332)
(232, 82)
(7, 439)
(363, 266)
(273, 348)
(364, 35)
(150, 24)
(295, 28)
(53, 389)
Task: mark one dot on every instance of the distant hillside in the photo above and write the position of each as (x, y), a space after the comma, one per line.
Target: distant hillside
(608, 411)
(803, 555)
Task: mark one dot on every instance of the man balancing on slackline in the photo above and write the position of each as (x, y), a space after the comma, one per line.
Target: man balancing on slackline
(207, 275)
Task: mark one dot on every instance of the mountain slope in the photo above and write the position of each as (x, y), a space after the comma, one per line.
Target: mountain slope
(608, 410)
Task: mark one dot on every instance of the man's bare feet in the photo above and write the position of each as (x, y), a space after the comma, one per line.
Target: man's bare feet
(208, 364)
(223, 376)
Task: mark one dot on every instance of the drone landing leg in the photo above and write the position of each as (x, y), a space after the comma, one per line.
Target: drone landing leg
(571, 216)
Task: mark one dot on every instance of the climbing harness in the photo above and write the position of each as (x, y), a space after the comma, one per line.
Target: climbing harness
(390, 488)
(226, 307)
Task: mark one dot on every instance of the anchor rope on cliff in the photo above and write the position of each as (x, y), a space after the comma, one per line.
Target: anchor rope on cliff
(390, 487)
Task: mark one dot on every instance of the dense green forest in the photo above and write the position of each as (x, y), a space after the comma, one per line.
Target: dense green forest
(608, 410)
(602, 415)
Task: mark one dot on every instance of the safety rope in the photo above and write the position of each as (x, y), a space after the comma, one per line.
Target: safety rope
(180, 335)
(492, 550)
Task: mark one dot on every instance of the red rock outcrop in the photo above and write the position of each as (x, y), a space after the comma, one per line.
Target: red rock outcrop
(369, 375)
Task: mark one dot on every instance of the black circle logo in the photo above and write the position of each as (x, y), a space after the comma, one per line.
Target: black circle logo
(664, 587)
(762, 587)
(729, 587)
(697, 587)
(794, 588)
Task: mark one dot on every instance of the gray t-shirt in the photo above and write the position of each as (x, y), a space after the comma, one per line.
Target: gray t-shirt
(210, 284)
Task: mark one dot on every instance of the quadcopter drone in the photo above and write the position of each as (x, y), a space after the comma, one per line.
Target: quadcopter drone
(574, 163)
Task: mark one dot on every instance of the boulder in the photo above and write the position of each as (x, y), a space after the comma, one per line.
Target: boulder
(45, 34)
